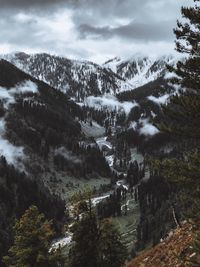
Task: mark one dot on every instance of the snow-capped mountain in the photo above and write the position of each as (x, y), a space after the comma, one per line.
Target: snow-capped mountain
(39, 125)
(138, 70)
(81, 79)
(78, 78)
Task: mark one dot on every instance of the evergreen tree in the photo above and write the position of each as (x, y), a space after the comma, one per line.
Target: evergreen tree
(182, 115)
(112, 250)
(84, 252)
(96, 244)
(33, 235)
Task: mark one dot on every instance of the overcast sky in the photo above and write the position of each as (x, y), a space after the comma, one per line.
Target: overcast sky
(96, 30)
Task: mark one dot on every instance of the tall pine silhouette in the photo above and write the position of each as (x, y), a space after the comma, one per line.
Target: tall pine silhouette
(182, 117)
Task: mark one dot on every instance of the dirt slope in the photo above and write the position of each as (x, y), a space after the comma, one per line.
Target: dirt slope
(174, 251)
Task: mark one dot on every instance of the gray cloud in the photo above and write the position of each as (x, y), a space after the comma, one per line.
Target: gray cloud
(24, 4)
(92, 29)
(144, 20)
(134, 31)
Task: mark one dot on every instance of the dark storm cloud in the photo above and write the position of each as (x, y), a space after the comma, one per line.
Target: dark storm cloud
(120, 7)
(28, 3)
(74, 3)
(149, 20)
(135, 31)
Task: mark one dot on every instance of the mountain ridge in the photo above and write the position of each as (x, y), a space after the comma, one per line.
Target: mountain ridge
(139, 70)
(80, 79)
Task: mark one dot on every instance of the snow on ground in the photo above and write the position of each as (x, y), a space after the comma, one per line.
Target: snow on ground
(112, 64)
(122, 183)
(110, 102)
(97, 200)
(110, 160)
(143, 72)
(102, 142)
(60, 243)
(141, 77)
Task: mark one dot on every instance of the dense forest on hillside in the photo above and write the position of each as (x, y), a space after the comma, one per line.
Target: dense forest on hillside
(17, 193)
(174, 182)
(40, 122)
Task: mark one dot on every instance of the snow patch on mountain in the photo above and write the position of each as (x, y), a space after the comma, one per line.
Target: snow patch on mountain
(62, 242)
(112, 64)
(139, 70)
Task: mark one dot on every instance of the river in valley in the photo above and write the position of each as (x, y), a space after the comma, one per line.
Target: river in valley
(128, 222)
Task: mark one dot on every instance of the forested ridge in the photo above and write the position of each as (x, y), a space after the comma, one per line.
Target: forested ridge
(180, 171)
(40, 122)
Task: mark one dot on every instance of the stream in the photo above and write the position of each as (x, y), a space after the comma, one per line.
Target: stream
(129, 204)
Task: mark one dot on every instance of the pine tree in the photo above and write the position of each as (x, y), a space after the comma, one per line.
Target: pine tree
(182, 115)
(84, 252)
(33, 235)
(96, 244)
(112, 250)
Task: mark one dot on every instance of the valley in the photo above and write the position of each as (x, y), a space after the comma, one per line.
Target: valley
(83, 127)
(128, 221)
(99, 133)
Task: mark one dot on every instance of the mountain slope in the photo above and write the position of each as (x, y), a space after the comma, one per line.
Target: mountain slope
(139, 70)
(78, 78)
(174, 251)
(40, 132)
(42, 149)
(81, 79)
(18, 187)
(89, 83)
